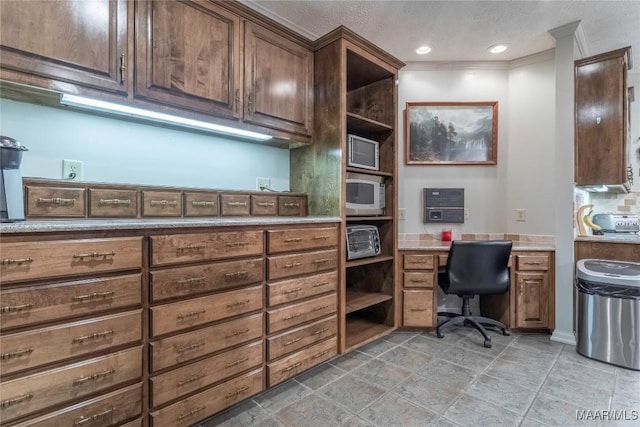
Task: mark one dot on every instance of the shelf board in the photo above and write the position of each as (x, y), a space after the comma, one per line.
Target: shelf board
(370, 260)
(362, 125)
(357, 299)
(362, 331)
(369, 172)
(369, 218)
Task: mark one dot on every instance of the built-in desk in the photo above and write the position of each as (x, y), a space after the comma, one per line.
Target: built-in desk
(529, 303)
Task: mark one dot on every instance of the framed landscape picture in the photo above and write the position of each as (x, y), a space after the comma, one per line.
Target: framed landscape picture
(451, 133)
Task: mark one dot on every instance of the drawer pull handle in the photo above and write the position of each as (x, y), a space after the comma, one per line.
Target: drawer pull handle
(417, 309)
(292, 291)
(115, 202)
(191, 413)
(96, 336)
(16, 308)
(237, 362)
(238, 332)
(202, 204)
(323, 237)
(269, 204)
(292, 205)
(293, 316)
(293, 240)
(191, 379)
(236, 203)
(163, 203)
(93, 377)
(321, 261)
(92, 418)
(318, 332)
(93, 296)
(15, 354)
(317, 285)
(322, 307)
(10, 402)
(292, 265)
(237, 275)
(190, 314)
(237, 392)
(10, 261)
(533, 263)
(293, 341)
(94, 255)
(237, 244)
(238, 303)
(190, 248)
(191, 280)
(322, 353)
(191, 346)
(292, 367)
(57, 201)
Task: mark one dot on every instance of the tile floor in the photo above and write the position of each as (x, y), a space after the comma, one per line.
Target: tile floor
(415, 379)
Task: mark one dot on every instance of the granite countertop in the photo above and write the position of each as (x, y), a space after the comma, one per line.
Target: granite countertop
(31, 226)
(629, 238)
(439, 245)
(521, 242)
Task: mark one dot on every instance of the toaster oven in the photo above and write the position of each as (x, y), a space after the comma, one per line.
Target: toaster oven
(362, 241)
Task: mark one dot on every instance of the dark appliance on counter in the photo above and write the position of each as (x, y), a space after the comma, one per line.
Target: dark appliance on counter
(11, 198)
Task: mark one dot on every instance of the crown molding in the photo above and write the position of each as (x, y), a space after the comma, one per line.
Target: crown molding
(283, 21)
(456, 65)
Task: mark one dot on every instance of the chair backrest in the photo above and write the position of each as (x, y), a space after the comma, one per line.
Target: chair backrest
(478, 267)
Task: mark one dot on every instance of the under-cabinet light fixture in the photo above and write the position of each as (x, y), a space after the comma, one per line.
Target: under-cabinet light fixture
(139, 113)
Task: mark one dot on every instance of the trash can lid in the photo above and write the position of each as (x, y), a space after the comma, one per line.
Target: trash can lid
(624, 273)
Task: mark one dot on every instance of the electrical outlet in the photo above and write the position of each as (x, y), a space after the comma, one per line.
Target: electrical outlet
(402, 213)
(467, 214)
(72, 170)
(263, 183)
(521, 215)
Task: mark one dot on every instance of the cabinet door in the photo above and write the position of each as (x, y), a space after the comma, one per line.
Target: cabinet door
(188, 56)
(278, 82)
(78, 42)
(532, 297)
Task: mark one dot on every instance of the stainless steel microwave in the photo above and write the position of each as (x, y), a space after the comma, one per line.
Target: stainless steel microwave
(365, 194)
(363, 153)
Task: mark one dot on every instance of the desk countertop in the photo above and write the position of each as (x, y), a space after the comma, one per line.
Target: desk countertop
(434, 245)
(632, 239)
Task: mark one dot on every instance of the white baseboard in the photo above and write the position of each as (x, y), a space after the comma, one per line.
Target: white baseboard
(563, 337)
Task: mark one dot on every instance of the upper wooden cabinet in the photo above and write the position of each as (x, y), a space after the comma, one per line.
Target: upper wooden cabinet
(278, 81)
(601, 118)
(188, 56)
(57, 43)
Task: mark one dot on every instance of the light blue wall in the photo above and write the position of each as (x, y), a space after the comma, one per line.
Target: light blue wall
(118, 151)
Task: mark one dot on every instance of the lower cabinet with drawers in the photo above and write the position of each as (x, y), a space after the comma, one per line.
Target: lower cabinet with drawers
(419, 276)
(160, 327)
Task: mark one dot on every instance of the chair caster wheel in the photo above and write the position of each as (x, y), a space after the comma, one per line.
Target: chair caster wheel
(487, 343)
(439, 334)
(506, 332)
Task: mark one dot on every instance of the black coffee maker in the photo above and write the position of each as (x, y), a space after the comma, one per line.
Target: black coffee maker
(11, 199)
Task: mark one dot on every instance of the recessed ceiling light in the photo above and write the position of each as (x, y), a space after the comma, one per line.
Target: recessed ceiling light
(498, 48)
(422, 50)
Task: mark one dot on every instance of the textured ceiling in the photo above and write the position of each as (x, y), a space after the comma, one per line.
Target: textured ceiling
(463, 30)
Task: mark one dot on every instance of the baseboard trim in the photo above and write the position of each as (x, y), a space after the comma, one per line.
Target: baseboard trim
(563, 337)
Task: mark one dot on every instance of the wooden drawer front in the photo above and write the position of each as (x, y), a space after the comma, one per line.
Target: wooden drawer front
(161, 203)
(34, 392)
(235, 205)
(36, 304)
(203, 373)
(37, 347)
(297, 314)
(206, 246)
(418, 262)
(299, 288)
(204, 278)
(198, 311)
(292, 265)
(106, 410)
(298, 239)
(296, 339)
(298, 362)
(195, 408)
(291, 205)
(55, 202)
(182, 348)
(105, 203)
(201, 204)
(532, 262)
(32, 260)
(418, 308)
(418, 279)
(264, 205)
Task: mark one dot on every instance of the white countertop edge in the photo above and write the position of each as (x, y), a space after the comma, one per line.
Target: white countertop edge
(437, 245)
(635, 239)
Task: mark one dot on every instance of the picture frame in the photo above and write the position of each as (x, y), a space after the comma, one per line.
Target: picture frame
(451, 133)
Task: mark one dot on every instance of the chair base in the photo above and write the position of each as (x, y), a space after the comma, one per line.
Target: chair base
(477, 322)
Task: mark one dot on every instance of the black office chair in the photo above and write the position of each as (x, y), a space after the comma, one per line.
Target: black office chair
(475, 268)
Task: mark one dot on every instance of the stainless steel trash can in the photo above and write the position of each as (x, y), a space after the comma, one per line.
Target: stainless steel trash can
(608, 311)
